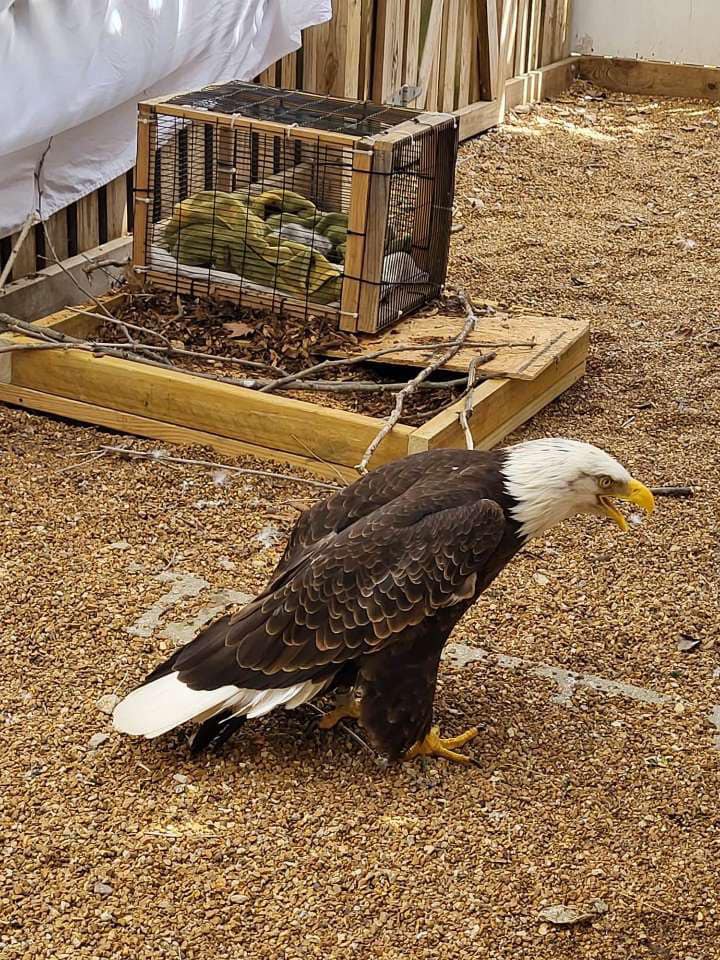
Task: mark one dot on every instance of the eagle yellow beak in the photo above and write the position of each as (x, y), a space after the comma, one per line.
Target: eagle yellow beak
(634, 492)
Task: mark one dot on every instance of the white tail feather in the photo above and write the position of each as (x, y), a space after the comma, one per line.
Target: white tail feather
(165, 703)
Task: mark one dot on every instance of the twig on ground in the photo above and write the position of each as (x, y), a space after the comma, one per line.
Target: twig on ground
(93, 265)
(159, 456)
(467, 409)
(48, 239)
(672, 491)
(344, 727)
(418, 380)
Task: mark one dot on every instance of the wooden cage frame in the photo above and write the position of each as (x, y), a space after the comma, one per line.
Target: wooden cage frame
(371, 163)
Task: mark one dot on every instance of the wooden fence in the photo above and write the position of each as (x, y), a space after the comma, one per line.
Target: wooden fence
(447, 55)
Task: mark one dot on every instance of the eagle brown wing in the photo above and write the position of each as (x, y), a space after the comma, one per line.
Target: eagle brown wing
(353, 593)
(375, 490)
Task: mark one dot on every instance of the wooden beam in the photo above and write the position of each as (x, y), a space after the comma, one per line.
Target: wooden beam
(531, 87)
(157, 430)
(543, 83)
(50, 289)
(276, 422)
(508, 29)
(488, 39)
(477, 118)
(653, 78)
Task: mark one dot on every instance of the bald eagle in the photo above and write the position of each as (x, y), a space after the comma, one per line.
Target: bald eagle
(369, 588)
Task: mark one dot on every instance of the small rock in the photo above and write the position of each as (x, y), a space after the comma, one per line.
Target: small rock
(97, 740)
(522, 109)
(226, 563)
(135, 567)
(119, 545)
(541, 579)
(180, 778)
(107, 703)
(102, 889)
(106, 915)
(561, 915)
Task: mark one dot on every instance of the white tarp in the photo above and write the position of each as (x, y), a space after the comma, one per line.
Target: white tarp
(74, 70)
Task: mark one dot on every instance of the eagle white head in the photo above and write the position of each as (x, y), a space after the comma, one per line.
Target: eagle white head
(553, 479)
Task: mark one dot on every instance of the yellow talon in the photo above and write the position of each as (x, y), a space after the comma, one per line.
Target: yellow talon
(435, 746)
(345, 708)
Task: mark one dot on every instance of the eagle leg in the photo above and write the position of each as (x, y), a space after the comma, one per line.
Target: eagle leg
(436, 746)
(345, 706)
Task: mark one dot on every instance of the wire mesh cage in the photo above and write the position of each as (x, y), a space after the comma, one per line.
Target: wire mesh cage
(295, 202)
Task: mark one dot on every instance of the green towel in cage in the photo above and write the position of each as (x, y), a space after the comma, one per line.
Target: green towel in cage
(217, 230)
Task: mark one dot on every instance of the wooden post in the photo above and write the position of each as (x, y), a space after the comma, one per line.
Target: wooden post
(331, 52)
(374, 252)
(144, 179)
(357, 226)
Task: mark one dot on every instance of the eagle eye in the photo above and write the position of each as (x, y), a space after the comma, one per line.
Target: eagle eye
(605, 482)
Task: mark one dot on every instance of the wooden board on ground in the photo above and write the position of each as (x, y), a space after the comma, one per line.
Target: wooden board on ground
(524, 344)
(173, 406)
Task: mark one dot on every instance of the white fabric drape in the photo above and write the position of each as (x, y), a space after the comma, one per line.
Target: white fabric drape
(74, 70)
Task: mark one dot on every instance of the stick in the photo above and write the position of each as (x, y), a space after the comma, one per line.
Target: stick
(130, 352)
(29, 222)
(467, 409)
(672, 491)
(161, 457)
(415, 383)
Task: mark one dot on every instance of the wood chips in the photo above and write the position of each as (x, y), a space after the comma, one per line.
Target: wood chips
(293, 844)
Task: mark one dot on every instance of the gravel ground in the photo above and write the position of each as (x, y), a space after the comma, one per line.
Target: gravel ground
(293, 845)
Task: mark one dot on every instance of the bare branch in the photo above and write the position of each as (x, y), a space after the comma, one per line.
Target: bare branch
(672, 491)
(413, 385)
(159, 456)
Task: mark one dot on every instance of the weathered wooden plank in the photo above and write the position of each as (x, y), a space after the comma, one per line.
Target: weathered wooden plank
(357, 226)
(388, 54)
(525, 345)
(25, 262)
(469, 33)
(56, 238)
(543, 83)
(117, 221)
(521, 39)
(412, 42)
(652, 77)
(449, 55)
(88, 225)
(549, 27)
(488, 50)
(276, 422)
(429, 58)
(477, 118)
(144, 181)
(535, 38)
(499, 406)
(166, 432)
(377, 212)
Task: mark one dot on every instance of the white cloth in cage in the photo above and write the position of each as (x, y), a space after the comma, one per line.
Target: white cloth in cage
(73, 71)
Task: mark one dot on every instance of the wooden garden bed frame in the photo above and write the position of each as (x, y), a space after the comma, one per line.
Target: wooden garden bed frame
(176, 407)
